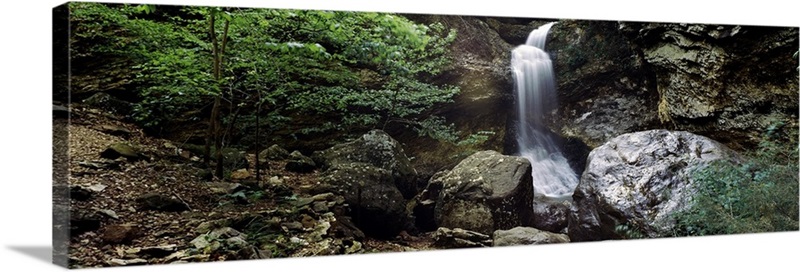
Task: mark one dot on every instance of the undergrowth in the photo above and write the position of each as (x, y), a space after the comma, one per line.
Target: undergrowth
(759, 194)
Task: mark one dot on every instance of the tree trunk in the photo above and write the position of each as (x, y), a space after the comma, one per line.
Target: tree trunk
(215, 128)
(258, 138)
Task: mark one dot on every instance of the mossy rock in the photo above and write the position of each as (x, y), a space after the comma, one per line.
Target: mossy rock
(124, 150)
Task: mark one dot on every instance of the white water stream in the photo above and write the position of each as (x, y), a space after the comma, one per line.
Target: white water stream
(535, 85)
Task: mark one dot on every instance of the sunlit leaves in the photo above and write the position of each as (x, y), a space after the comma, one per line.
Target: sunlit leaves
(353, 69)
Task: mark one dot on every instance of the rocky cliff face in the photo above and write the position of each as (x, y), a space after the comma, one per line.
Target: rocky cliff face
(604, 86)
(729, 83)
(723, 81)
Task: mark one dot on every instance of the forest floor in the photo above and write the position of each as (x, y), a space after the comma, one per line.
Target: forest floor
(290, 221)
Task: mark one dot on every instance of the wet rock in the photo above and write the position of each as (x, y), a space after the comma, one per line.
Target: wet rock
(101, 164)
(378, 149)
(639, 180)
(377, 206)
(109, 213)
(551, 214)
(344, 228)
(485, 192)
(300, 163)
(274, 152)
(159, 202)
(117, 150)
(526, 236)
(121, 233)
(460, 238)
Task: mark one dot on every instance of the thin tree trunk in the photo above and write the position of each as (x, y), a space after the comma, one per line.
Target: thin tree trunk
(258, 138)
(215, 126)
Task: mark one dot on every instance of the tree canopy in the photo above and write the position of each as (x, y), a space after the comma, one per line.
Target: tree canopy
(349, 70)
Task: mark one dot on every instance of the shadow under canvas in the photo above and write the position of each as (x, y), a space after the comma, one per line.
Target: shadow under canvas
(41, 253)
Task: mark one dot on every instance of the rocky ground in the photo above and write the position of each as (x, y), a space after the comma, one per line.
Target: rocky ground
(156, 205)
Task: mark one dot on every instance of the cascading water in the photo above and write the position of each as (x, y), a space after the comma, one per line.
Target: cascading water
(535, 88)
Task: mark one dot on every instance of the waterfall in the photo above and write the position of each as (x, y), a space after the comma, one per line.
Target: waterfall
(536, 90)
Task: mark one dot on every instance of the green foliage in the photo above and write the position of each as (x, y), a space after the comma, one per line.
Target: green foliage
(353, 70)
(627, 231)
(757, 195)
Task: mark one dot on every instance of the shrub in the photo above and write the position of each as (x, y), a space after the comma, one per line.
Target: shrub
(759, 194)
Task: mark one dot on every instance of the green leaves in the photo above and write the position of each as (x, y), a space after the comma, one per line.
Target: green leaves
(758, 195)
(353, 70)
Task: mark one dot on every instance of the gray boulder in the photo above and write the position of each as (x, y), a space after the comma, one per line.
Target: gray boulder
(274, 152)
(233, 159)
(526, 236)
(639, 180)
(551, 214)
(300, 163)
(485, 192)
(159, 202)
(117, 150)
(377, 149)
(378, 207)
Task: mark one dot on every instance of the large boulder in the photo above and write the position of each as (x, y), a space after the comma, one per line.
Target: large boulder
(377, 206)
(300, 163)
(639, 180)
(485, 192)
(378, 149)
(273, 152)
(526, 236)
(551, 214)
